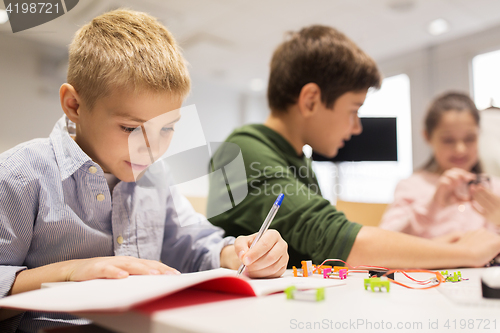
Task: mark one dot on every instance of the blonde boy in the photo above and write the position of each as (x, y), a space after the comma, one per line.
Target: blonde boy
(70, 208)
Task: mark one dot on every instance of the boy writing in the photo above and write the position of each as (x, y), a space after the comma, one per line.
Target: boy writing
(70, 208)
(318, 81)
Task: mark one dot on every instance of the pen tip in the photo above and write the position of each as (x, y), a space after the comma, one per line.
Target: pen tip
(280, 199)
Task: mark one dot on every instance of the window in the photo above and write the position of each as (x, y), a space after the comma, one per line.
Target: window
(486, 85)
(374, 182)
(486, 79)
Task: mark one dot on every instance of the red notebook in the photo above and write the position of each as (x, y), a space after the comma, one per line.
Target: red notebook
(150, 293)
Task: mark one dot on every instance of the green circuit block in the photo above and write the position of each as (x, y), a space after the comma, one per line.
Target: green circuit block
(374, 283)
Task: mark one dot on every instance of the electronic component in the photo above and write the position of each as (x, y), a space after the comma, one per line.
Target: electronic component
(314, 295)
(490, 282)
(377, 282)
(379, 273)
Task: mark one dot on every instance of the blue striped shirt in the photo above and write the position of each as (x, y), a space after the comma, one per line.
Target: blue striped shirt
(56, 205)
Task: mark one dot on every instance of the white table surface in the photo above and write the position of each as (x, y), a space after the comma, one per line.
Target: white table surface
(347, 308)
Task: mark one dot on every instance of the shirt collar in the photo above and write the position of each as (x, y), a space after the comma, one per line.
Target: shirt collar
(69, 156)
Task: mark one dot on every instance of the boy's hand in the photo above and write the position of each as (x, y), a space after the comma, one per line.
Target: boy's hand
(268, 257)
(479, 246)
(452, 237)
(489, 202)
(115, 267)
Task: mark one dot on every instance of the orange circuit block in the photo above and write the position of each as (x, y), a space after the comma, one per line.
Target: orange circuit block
(319, 269)
(336, 269)
(307, 268)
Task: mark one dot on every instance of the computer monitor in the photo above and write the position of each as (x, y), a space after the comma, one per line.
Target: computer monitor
(377, 142)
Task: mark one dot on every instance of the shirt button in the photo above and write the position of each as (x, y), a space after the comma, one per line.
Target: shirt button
(100, 197)
(119, 239)
(92, 169)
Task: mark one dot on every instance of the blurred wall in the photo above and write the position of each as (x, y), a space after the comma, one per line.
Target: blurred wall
(29, 101)
(218, 106)
(31, 74)
(434, 70)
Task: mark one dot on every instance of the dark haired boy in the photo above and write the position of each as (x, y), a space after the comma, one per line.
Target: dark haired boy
(318, 81)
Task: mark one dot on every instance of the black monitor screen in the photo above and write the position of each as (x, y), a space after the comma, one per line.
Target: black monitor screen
(377, 142)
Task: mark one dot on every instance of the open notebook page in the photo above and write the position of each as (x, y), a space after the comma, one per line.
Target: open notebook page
(122, 294)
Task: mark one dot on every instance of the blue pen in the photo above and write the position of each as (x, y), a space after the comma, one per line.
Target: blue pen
(265, 225)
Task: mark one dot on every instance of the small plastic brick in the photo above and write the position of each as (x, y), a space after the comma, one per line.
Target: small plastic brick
(310, 269)
(289, 292)
(337, 268)
(377, 282)
(342, 273)
(326, 271)
(319, 269)
(320, 294)
(447, 276)
(307, 268)
(305, 295)
(456, 277)
(295, 271)
(304, 268)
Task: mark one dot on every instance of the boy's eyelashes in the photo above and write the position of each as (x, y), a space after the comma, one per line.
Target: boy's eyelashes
(353, 113)
(128, 130)
(167, 130)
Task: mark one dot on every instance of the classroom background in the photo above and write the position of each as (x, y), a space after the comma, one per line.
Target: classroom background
(423, 48)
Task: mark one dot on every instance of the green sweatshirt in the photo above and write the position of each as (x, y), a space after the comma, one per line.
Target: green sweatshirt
(311, 226)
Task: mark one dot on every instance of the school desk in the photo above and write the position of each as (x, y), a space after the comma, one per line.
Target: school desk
(348, 308)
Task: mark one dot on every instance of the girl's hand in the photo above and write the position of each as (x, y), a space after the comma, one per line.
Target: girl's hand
(489, 203)
(447, 191)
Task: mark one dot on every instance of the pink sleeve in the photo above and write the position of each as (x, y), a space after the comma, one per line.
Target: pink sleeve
(408, 213)
(495, 185)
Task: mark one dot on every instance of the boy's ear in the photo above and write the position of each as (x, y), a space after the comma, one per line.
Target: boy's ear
(309, 99)
(70, 102)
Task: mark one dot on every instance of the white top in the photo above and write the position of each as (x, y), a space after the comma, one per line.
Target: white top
(111, 180)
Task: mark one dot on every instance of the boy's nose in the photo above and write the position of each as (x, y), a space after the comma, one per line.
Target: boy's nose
(147, 144)
(158, 142)
(357, 128)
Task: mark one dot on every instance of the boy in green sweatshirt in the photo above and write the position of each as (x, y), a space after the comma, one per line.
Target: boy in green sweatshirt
(318, 81)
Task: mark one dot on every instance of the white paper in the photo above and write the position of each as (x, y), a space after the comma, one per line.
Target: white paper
(122, 294)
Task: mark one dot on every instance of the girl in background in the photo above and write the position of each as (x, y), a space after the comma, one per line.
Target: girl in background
(444, 199)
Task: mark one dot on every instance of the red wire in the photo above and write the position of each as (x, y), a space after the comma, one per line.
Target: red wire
(438, 275)
(354, 267)
(415, 280)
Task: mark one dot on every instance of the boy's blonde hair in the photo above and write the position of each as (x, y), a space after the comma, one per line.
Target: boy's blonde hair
(125, 49)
